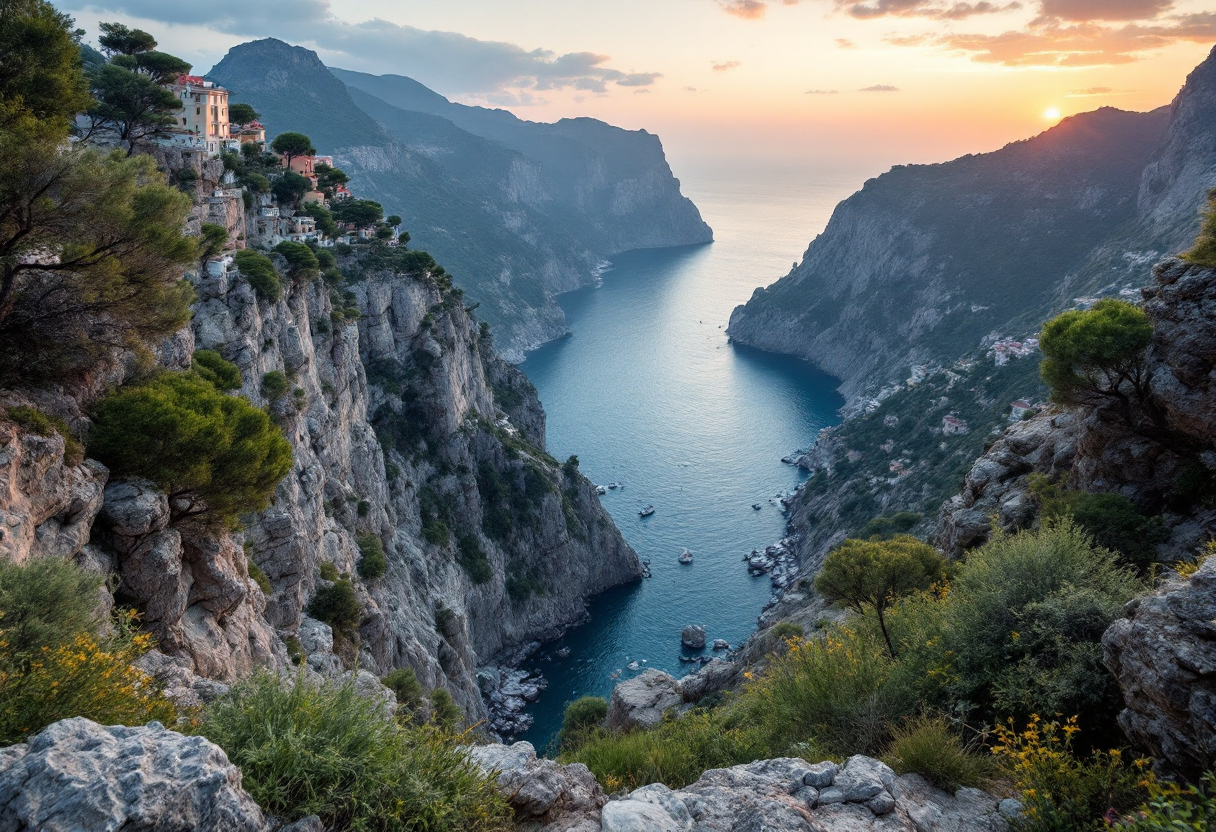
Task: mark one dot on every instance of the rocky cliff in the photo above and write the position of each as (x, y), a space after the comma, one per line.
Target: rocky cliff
(408, 433)
(930, 262)
(517, 219)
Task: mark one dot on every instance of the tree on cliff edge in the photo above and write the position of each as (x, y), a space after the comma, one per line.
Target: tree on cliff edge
(1097, 354)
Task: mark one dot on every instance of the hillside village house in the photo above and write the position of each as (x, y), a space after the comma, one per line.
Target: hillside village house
(204, 112)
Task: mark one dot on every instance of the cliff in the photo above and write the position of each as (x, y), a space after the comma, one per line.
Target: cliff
(406, 429)
(929, 262)
(518, 213)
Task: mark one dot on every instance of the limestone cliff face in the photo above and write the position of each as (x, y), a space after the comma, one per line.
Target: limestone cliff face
(406, 428)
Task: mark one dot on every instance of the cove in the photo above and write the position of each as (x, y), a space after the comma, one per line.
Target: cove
(650, 394)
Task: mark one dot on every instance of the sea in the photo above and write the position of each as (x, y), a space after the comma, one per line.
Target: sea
(651, 395)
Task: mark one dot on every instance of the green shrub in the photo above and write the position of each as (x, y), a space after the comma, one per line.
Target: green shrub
(295, 650)
(1204, 251)
(930, 747)
(259, 271)
(218, 455)
(887, 527)
(364, 508)
(445, 622)
(436, 532)
(1174, 809)
(256, 183)
(445, 713)
(1061, 791)
(1097, 353)
(80, 675)
(1114, 521)
(210, 365)
(403, 682)
(302, 264)
(372, 561)
(471, 556)
(275, 385)
(521, 587)
(259, 577)
(45, 603)
(786, 630)
(337, 606)
(582, 716)
(42, 424)
(327, 751)
(328, 571)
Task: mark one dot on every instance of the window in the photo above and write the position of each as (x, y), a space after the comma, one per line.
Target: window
(198, 111)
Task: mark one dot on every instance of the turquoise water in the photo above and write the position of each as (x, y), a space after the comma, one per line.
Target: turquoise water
(649, 393)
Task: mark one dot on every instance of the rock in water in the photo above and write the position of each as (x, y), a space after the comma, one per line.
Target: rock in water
(78, 775)
(693, 637)
(641, 701)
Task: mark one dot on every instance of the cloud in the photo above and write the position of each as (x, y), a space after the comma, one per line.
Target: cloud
(725, 66)
(447, 61)
(1054, 44)
(933, 9)
(641, 92)
(822, 92)
(1090, 92)
(690, 89)
(1084, 10)
(845, 43)
(746, 9)
(880, 88)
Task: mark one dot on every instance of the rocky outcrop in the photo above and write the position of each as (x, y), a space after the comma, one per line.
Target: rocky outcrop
(77, 775)
(640, 702)
(780, 795)
(545, 796)
(1163, 654)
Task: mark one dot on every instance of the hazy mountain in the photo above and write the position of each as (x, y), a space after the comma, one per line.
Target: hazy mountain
(927, 261)
(514, 225)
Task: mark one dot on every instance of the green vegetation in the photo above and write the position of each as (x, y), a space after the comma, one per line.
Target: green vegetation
(327, 751)
(520, 587)
(358, 212)
(216, 456)
(1174, 809)
(275, 385)
(259, 577)
(875, 573)
(436, 533)
(289, 188)
(52, 666)
(1016, 633)
(372, 561)
(337, 606)
(42, 424)
(931, 747)
(887, 527)
(292, 146)
(581, 717)
(328, 571)
(212, 240)
(1204, 251)
(302, 264)
(445, 713)
(1114, 521)
(242, 113)
(403, 682)
(259, 271)
(1097, 353)
(472, 558)
(211, 366)
(131, 102)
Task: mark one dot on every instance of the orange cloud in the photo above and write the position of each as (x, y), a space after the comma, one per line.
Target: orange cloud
(747, 9)
(726, 66)
(923, 8)
(1083, 10)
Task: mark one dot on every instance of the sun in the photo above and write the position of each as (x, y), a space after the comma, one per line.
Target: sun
(1052, 114)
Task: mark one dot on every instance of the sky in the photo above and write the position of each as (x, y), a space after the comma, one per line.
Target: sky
(875, 82)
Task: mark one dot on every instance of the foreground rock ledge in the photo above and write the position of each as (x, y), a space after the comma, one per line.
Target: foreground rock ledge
(77, 775)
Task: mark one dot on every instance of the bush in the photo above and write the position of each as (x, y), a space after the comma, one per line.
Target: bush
(403, 682)
(218, 455)
(45, 603)
(1114, 521)
(42, 424)
(1062, 792)
(295, 650)
(436, 533)
(337, 606)
(259, 271)
(301, 262)
(212, 366)
(372, 561)
(1171, 809)
(259, 577)
(471, 556)
(582, 716)
(327, 751)
(328, 571)
(275, 385)
(1097, 353)
(1204, 251)
(928, 746)
(445, 713)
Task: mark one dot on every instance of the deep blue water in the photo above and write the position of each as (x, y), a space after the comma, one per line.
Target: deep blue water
(649, 393)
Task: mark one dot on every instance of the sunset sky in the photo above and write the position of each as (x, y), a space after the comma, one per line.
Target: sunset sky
(881, 81)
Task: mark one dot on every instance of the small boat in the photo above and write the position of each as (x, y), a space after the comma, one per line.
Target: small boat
(686, 557)
(756, 506)
(646, 512)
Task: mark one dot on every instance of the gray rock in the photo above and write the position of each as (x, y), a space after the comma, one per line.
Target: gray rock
(1010, 808)
(559, 798)
(721, 644)
(832, 794)
(134, 508)
(821, 775)
(77, 775)
(638, 816)
(714, 676)
(312, 823)
(881, 804)
(640, 702)
(863, 778)
(369, 687)
(808, 795)
(693, 637)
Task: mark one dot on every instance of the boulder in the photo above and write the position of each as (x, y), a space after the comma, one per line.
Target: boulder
(640, 702)
(693, 637)
(77, 775)
(1163, 654)
(545, 795)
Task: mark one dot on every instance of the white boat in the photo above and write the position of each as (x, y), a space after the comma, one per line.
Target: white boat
(646, 512)
(686, 557)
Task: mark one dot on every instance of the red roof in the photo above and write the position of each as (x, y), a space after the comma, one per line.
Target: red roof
(190, 79)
